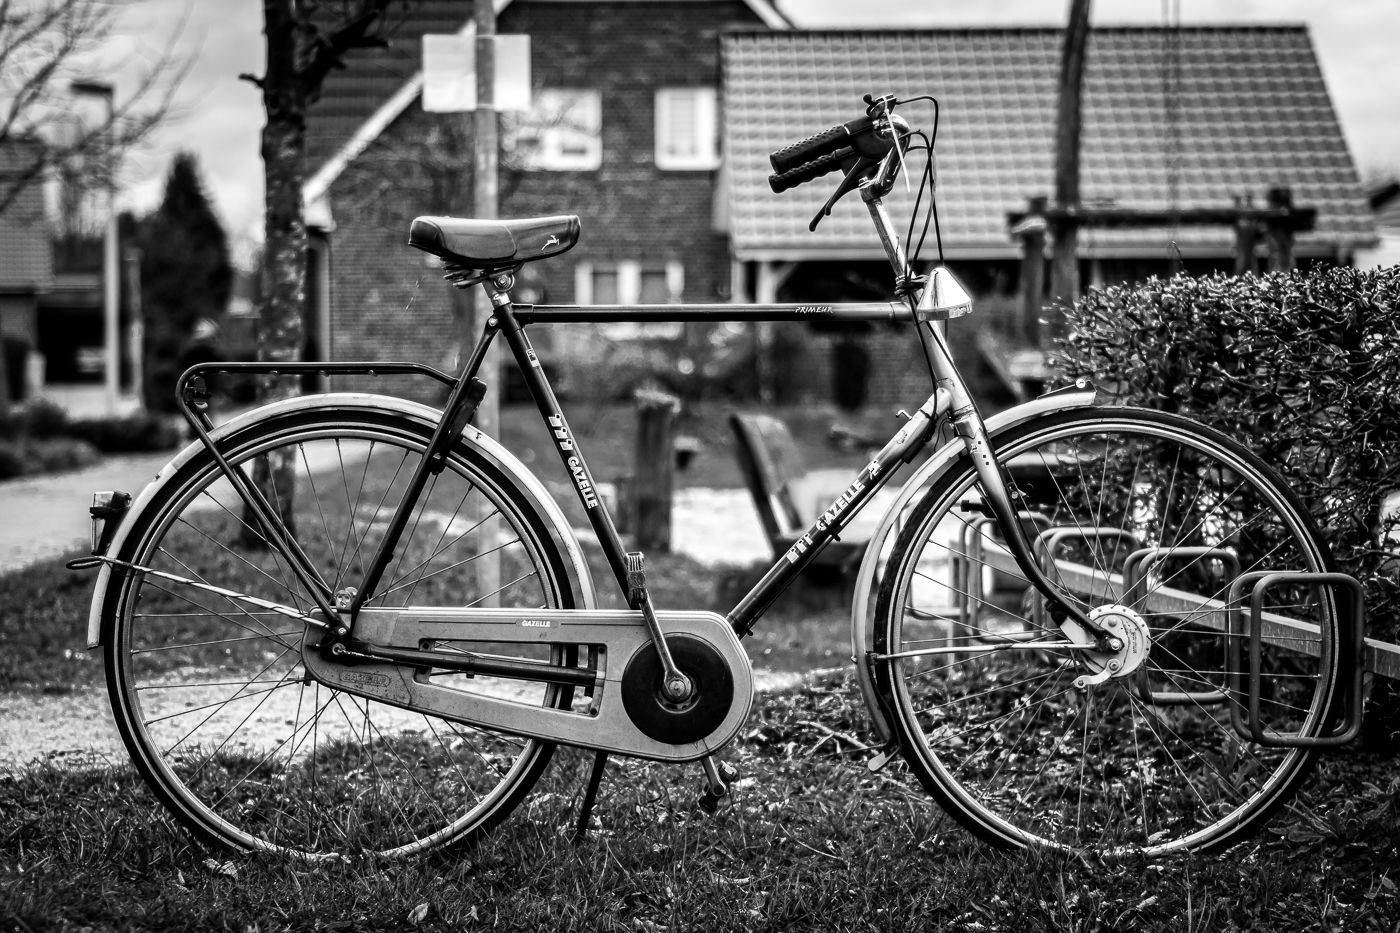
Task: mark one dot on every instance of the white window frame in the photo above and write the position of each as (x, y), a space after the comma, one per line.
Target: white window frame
(706, 129)
(559, 117)
(629, 290)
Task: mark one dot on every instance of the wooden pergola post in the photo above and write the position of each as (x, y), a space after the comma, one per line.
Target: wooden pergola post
(1278, 229)
(1064, 263)
(1031, 234)
(1246, 236)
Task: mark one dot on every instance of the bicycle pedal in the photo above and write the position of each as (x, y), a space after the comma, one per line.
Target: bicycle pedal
(719, 778)
(709, 802)
(636, 578)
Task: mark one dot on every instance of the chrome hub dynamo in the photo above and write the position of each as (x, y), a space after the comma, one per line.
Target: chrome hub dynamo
(1130, 640)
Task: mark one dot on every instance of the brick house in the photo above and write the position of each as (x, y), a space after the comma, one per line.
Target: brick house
(1172, 118)
(26, 269)
(628, 142)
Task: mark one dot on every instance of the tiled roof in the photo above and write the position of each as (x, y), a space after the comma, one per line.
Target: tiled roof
(1252, 112)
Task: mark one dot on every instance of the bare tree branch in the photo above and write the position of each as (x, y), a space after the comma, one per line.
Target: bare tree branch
(328, 51)
(46, 45)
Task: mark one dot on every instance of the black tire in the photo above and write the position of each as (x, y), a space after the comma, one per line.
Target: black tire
(1001, 737)
(210, 694)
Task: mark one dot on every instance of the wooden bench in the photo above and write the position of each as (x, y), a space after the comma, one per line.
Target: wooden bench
(789, 497)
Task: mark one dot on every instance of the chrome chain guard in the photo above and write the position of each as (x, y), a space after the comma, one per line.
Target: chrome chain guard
(600, 722)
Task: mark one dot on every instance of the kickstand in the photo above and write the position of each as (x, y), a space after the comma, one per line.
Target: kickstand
(590, 795)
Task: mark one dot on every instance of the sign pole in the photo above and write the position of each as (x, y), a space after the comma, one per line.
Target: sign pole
(485, 193)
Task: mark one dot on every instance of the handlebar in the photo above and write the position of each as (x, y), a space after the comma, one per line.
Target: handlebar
(822, 165)
(819, 144)
(856, 146)
(862, 148)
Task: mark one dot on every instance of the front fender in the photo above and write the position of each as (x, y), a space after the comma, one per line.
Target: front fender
(877, 551)
(530, 488)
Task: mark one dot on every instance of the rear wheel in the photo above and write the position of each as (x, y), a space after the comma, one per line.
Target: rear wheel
(210, 693)
(984, 694)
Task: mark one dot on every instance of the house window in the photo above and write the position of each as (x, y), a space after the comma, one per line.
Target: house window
(685, 128)
(562, 132)
(632, 283)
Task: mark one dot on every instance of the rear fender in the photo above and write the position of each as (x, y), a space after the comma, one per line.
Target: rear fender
(531, 490)
(872, 566)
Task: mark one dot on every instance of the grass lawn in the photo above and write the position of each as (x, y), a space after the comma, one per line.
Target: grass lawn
(812, 840)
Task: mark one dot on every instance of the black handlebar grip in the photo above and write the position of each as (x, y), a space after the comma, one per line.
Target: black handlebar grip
(818, 167)
(800, 153)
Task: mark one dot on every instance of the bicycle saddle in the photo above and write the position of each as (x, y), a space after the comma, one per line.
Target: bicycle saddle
(493, 244)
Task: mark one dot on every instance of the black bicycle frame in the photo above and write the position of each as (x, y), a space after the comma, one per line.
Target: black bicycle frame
(901, 448)
(950, 401)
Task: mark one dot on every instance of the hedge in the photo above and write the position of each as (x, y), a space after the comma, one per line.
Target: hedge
(40, 419)
(1302, 367)
(30, 456)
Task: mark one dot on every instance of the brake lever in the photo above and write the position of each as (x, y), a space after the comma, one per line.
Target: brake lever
(857, 174)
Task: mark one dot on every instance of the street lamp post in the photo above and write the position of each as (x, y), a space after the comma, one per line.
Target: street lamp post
(111, 316)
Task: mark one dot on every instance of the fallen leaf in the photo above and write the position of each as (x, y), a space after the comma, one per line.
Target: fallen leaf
(418, 914)
(222, 868)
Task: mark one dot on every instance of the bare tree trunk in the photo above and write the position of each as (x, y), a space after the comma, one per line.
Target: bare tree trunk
(284, 154)
(299, 56)
(280, 325)
(1064, 265)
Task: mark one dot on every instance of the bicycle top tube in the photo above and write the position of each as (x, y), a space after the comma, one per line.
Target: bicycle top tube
(894, 312)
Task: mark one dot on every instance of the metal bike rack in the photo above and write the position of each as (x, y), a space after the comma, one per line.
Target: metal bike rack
(1135, 572)
(1051, 538)
(1382, 657)
(1351, 657)
(969, 557)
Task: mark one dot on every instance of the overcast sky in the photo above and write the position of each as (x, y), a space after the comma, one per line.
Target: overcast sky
(219, 118)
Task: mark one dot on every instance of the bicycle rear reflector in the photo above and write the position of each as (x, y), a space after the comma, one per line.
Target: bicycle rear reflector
(106, 511)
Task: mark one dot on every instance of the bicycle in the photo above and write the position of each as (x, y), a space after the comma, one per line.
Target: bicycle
(1082, 627)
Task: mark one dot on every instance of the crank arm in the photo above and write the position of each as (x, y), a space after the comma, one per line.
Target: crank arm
(393, 667)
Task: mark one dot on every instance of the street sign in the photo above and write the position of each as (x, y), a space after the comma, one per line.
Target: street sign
(449, 72)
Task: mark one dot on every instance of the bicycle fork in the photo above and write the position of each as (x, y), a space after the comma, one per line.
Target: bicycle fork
(968, 427)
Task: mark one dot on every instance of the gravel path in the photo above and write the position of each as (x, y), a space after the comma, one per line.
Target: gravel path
(77, 727)
(45, 516)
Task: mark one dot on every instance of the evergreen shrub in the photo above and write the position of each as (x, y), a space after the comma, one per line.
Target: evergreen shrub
(1304, 368)
(40, 420)
(28, 456)
(134, 433)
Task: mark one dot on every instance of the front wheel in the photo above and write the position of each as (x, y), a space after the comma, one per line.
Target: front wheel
(210, 693)
(1031, 743)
